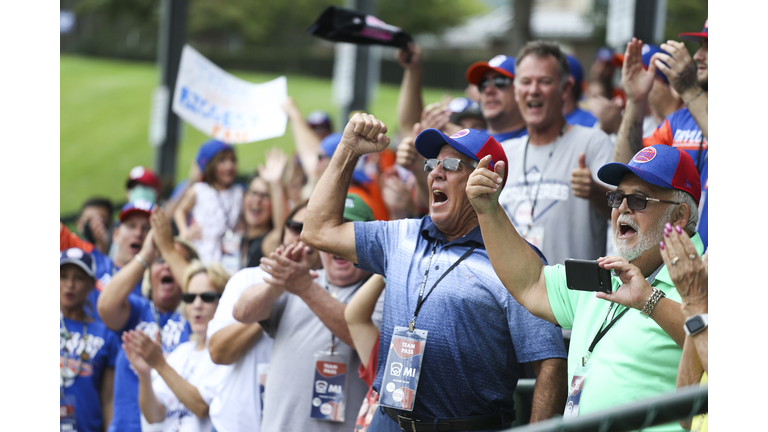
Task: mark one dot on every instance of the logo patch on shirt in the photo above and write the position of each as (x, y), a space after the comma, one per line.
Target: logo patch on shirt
(645, 155)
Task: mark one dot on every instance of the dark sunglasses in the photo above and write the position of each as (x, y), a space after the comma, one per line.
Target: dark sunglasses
(634, 201)
(294, 226)
(449, 164)
(499, 81)
(206, 297)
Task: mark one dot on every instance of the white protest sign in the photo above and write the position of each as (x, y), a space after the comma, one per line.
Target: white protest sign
(225, 107)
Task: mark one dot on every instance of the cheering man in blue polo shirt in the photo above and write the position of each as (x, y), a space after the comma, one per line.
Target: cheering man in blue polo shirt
(451, 337)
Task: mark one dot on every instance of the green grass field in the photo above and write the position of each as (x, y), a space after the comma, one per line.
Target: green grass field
(105, 108)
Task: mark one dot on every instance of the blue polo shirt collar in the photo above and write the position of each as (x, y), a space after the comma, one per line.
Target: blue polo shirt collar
(430, 232)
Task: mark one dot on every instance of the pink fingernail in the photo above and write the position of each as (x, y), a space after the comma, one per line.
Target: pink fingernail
(666, 233)
(678, 229)
(668, 226)
(661, 245)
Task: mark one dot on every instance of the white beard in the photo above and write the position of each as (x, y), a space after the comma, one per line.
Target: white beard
(645, 240)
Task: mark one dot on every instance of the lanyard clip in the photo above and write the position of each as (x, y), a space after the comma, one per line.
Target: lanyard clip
(585, 359)
(412, 324)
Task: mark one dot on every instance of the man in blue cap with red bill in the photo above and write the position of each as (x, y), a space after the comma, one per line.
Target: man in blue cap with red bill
(686, 128)
(462, 337)
(616, 354)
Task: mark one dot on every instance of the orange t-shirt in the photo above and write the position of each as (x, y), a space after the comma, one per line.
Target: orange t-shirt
(68, 239)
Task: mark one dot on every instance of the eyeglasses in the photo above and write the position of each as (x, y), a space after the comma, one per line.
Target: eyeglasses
(499, 81)
(449, 164)
(262, 195)
(634, 201)
(206, 297)
(294, 226)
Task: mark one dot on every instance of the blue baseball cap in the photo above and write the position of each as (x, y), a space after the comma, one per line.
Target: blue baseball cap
(80, 258)
(317, 118)
(695, 37)
(138, 206)
(575, 69)
(208, 150)
(648, 51)
(469, 142)
(329, 144)
(661, 165)
(501, 64)
(462, 107)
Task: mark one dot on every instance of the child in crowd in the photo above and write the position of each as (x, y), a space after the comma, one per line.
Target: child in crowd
(214, 204)
(366, 335)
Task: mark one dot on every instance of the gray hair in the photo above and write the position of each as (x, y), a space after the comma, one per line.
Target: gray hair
(543, 49)
(687, 199)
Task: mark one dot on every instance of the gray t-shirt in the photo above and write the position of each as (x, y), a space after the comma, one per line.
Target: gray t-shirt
(298, 334)
(563, 225)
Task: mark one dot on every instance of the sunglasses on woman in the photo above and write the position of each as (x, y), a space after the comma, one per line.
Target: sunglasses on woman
(634, 201)
(206, 297)
(294, 226)
(499, 81)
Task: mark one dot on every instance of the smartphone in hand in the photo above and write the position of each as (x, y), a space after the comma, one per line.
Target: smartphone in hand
(587, 275)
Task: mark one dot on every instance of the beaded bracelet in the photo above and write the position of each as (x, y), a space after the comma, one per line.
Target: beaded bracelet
(647, 310)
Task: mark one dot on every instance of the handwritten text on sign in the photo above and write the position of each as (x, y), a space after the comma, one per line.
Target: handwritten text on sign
(225, 107)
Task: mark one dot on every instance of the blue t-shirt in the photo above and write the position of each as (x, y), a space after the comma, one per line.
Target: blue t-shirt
(503, 136)
(175, 331)
(105, 269)
(478, 333)
(581, 117)
(101, 345)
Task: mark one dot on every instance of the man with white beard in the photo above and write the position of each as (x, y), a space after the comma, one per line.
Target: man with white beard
(616, 355)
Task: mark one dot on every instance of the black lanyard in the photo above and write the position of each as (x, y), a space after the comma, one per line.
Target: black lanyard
(423, 298)
(603, 330)
(541, 175)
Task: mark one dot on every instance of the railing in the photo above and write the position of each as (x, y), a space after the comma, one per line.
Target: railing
(639, 414)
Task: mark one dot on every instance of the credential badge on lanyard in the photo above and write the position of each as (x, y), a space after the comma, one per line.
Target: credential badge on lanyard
(328, 390)
(401, 375)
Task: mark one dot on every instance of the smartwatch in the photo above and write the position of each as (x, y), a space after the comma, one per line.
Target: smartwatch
(696, 324)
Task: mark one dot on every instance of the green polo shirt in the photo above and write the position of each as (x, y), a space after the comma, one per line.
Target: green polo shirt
(636, 359)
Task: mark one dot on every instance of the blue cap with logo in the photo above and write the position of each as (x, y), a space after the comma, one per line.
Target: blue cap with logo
(208, 150)
(80, 258)
(469, 142)
(648, 51)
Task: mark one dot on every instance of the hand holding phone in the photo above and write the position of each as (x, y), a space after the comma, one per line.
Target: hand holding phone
(587, 275)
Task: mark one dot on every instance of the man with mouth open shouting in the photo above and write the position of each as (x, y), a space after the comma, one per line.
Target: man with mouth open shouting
(303, 311)
(552, 199)
(440, 287)
(616, 355)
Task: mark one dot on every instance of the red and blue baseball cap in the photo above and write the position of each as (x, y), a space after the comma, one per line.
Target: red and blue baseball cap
(647, 52)
(80, 258)
(469, 142)
(208, 150)
(501, 64)
(138, 206)
(695, 37)
(659, 165)
(144, 176)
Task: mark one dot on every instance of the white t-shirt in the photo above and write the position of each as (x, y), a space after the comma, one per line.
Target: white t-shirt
(194, 366)
(236, 402)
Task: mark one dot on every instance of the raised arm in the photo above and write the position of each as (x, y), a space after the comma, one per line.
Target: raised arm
(637, 84)
(151, 407)
(358, 317)
(272, 173)
(518, 267)
(163, 236)
(255, 304)
(409, 101)
(410, 159)
(181, 215)
(113, 306)
(324, 226)
(681, 73)
(306, 141)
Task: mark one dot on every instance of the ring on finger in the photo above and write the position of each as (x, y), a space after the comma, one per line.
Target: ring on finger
(675, 260)
(692, 256)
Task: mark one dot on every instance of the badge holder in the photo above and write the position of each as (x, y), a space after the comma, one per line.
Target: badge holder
(574, 392)
(67, 419)
(262, 370)
(403, 367)
(230, 251)
(329, 387)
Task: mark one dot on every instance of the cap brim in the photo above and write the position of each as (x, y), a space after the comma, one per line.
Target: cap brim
(78, 263)
(476, 71)
(693, 37)
(132, 211)
(613, 172)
